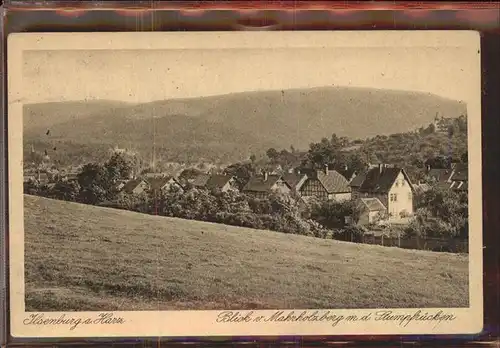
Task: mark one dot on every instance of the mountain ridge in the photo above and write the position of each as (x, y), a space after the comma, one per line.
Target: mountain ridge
(244, 122)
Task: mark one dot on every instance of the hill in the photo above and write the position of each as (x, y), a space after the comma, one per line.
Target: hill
(237, 125)
(45, 115)
(89, 258)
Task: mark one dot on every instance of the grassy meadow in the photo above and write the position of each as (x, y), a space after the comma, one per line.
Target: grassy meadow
(85, 258)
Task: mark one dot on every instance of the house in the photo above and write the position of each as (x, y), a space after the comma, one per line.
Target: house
(344, 170)
(135, 186)
(28, 178)
(272, 169)
(392, 186)
(421, 187)
(264, 185)
(326, 184)
(163, 183)
(71, 177)
(440, 176)
(355, 184)
(459, 186)
(460, 173)
(120, 184)
(220, 182)
(371, 210)
(200, 180)
(295, 180)
(43, 178)
(460, 178)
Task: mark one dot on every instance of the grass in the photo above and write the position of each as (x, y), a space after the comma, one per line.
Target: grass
(80, 257)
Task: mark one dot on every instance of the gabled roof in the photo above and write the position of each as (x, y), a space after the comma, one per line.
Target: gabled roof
(463, 187)
(130, 186)
(218, 181)
(461, 172)
(333, 181)
(158, 182)
(440, 175)
(358, 180)
(459, 186)
(381, 180)
(200, 180)
(345, 171)
(422, 187)
(373, 204)
(293, 179)
(258, 184)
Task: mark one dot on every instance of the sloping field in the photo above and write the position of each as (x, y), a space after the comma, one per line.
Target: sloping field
(82, 257)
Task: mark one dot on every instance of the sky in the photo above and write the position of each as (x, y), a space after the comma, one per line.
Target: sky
(147, 75)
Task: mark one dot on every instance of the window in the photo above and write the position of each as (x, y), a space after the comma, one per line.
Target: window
(394, 197)
(409, 196)
(402, 183)
(397, 183)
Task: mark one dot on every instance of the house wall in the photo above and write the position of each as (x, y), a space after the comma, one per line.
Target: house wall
(312, 187)
(281, 187)
(230, 186)
(139, 189)
(340, 196)
(364, 217)
(373, 215)
(355, 194)
(367, 217)
(171, 184)
(259, 195)
(400, 198)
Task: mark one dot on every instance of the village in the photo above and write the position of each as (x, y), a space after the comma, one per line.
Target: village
(383, 195)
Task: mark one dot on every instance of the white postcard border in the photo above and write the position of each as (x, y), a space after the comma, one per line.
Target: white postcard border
(205, 323)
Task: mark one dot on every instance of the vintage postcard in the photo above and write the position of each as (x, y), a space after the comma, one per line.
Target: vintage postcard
(245, 183)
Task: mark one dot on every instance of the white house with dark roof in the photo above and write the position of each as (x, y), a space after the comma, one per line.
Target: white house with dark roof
(392, 186)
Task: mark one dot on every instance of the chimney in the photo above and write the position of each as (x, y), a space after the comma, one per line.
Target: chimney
(326, 169)
(381, 167)
(345, 166)
(265, 176)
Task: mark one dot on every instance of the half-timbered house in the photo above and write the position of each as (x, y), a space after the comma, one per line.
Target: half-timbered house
(326, 184)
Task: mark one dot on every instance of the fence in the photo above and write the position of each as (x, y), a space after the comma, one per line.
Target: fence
(431, 244)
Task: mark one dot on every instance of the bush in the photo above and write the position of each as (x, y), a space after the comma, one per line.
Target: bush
(332, 214)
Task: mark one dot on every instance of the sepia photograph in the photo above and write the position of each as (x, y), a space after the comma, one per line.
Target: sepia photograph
(198, 176)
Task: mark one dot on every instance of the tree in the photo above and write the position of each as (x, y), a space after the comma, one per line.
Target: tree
(122, 165)
(333, 214)
(440, 161)
(441, 212)
(272, 154)
(465, 157)
(65, 190)
(189, 173)
(241, 172)
(96, 184)
(356, 162)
